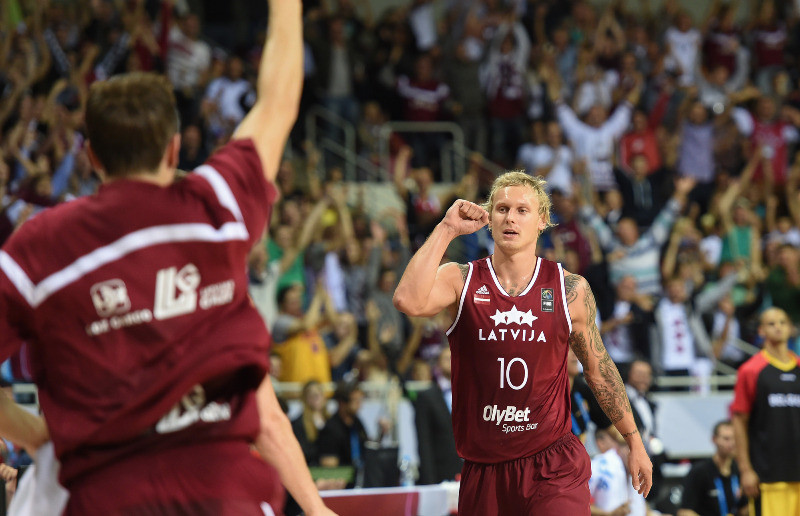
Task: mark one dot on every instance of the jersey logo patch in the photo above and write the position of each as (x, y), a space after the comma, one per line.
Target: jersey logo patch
(547, 300)
(110, 297)
(481, 295)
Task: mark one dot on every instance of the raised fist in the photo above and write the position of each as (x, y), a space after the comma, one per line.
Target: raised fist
(465, 217)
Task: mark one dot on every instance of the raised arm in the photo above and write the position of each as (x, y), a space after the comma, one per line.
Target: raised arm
(603, 377)
(280, 81)
(427, 288)
(277, 444)
(307, 233)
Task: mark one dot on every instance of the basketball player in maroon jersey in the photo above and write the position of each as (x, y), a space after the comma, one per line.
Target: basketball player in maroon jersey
(150, 358)
(515, 316)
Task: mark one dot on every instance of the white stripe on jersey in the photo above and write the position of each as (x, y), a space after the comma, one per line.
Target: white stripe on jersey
(461, 301)
(500, 287)
(221, 189)
(35, 295)
(564, 296)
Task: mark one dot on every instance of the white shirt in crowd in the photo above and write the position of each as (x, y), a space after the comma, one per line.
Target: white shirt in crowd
(618, 341)
(423, 25)
(265, 293)
(597, 91)
(231, 97)
(596, 144)
(683, 52)
(711, 248)
(186, 59)
(611, 487)
(791, 237)
(729, 349)
(533, 157)
(677, 341)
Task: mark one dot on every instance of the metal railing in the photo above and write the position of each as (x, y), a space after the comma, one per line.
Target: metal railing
(376, 390)
(694, 382)
(321, 123)
(465, 154)
(355, 162)
(452, 168)
(725, 375)
(336, 123)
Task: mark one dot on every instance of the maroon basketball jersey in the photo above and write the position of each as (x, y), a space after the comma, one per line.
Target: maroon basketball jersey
(509, 365)
(134, 303)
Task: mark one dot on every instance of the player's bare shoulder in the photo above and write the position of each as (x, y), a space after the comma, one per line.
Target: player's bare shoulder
(580, 299)
(454, 273)
(573, 284)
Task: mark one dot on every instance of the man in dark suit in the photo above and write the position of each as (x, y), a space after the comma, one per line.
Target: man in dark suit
(644, 194)
(438, 458)
(640, 379)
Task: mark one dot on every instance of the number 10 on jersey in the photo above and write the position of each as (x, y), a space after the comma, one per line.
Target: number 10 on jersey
(505, 373)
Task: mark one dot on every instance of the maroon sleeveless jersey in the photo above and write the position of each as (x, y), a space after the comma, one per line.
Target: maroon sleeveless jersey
(509, 365)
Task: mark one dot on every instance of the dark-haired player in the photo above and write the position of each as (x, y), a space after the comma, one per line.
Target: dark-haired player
(766, 421)
(150, 359)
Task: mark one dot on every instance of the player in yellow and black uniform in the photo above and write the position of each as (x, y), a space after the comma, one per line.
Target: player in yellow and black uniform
(766, 418)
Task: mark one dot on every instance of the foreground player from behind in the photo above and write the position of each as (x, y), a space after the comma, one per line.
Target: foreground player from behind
(516, 316)
(150, 359)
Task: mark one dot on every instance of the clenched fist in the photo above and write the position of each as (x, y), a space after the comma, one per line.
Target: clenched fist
(465, 217)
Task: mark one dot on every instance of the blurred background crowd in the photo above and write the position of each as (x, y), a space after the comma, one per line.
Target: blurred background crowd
(667, 132)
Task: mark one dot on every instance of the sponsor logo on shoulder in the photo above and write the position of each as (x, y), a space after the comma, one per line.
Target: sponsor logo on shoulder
(177, 293)
(110, 297)
(482, 295)
(547, 300)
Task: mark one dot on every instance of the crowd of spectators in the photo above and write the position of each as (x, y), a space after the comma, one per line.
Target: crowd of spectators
(668, 142)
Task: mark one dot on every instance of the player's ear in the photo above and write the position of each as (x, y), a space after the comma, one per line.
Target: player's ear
(542, 223)
(97, 165)
(173, 151)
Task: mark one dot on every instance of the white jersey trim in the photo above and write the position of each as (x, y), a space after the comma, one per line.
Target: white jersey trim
(221, 189)
(36, 294)
(17, 276)
(533, 279)
(564, 296)
(461, 301)
(500, 287)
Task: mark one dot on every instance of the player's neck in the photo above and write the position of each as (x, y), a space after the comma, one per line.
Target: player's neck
(513, 266)
(778, 350)
(164, 176)
(723, 464)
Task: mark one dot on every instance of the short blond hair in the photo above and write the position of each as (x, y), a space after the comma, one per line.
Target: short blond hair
(521, 178)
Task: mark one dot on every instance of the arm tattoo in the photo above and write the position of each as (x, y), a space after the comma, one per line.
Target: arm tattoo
(628, 434)
(607, 386)
(570, 282)
(464, 271)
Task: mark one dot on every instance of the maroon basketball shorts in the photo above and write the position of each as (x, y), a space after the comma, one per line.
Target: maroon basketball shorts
(209, 479)
(553, 482)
